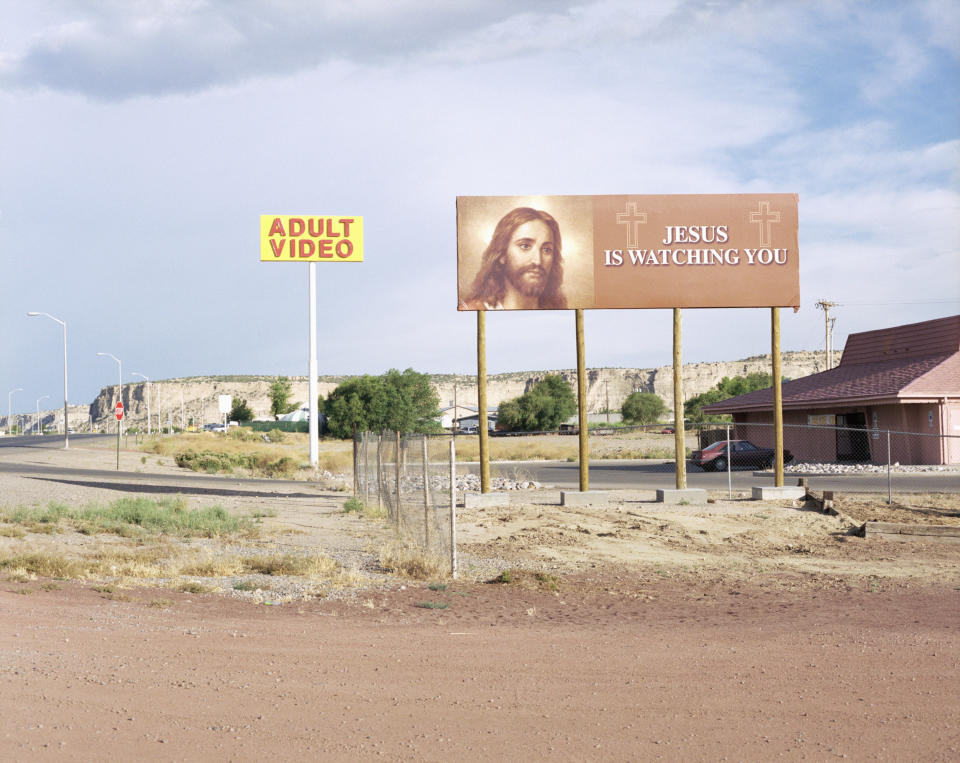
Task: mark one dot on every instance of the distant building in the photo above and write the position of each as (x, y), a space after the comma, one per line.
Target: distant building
(466, 417)
(903, 379)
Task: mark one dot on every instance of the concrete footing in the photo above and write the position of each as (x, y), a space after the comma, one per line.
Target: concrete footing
(768, 493)
(485, 500)
(583, 498)
(685, 496)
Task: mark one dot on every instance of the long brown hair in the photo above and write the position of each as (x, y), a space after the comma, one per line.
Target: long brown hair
(490, 285)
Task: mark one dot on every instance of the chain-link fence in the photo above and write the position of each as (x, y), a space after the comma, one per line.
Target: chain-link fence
(851, 458)
(412, 478)
(877, 458)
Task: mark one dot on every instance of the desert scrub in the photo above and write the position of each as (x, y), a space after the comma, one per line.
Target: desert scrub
(412, 563)
(134, 518)
(368, 511)
(334, 455)
(527, 579)
(213, 462)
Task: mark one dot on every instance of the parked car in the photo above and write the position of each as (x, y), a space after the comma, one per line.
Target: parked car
(742, 453)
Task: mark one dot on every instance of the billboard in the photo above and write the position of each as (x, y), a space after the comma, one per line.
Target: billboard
(306, 238)
(567, 252)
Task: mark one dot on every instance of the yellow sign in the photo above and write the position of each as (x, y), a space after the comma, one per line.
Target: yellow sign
(303, 238)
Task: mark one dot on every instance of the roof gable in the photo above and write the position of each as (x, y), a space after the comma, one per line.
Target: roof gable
(916, 360)
(915, 340)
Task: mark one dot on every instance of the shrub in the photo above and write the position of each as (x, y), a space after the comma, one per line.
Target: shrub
(544, 407)
(643, 408)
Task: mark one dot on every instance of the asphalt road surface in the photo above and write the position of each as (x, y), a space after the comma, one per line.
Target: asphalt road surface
(650, 475)
(147, 482)
(604, 474)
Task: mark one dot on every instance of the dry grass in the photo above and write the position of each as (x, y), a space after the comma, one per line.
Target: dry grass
(133, 517)
(129, 566)
(627, 445)
(412, 563)
(289, 458)
(314, 567)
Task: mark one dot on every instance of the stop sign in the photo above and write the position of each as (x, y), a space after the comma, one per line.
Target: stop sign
(118, 409)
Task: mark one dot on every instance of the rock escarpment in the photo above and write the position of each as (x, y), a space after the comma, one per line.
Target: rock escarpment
(195, 400)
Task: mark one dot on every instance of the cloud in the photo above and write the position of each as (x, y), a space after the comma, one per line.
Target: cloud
(126, 48)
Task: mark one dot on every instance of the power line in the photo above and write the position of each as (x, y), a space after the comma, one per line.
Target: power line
(881, 304)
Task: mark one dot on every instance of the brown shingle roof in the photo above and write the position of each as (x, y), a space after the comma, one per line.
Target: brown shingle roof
(919, 360)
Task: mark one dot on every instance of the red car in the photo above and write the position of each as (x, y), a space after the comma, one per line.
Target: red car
(742, 453)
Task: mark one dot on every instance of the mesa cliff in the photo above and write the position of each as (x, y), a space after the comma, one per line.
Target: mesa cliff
(195, 399)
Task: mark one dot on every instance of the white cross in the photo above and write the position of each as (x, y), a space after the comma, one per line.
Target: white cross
(633, 219)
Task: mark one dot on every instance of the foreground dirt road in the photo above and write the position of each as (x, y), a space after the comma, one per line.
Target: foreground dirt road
(736, 630)
(608, 670)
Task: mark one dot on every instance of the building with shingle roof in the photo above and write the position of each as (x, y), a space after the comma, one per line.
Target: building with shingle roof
(904, 379)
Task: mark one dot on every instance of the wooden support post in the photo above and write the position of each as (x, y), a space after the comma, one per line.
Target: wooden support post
(582, 405)
(482, 401)
(777, 398)
(679, 438)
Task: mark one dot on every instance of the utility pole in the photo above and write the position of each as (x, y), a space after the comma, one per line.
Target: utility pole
(825, 305)
(606, 386)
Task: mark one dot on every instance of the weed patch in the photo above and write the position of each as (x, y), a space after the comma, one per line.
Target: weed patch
(133, 518)
(433, 605)
(190, 586)
(536, 580)
(412, 563)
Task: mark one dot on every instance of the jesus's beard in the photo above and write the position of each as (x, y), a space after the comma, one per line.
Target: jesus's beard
(530, 281)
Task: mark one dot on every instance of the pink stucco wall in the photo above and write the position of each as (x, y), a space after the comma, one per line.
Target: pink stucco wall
(916, 433)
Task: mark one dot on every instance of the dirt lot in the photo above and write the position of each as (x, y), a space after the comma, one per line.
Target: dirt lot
(737, 629)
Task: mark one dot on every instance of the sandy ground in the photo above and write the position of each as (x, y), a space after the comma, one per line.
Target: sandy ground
(736, 630)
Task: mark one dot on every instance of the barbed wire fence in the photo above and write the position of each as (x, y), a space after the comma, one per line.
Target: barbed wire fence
(412, 478)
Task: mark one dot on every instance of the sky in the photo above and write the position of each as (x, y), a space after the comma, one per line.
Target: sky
(140, 141)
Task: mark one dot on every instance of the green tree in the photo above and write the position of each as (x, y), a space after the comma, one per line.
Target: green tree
(725, 388)
(643, 408)
(548, 403)
(395, 402)
(241, 411)
(280, 393)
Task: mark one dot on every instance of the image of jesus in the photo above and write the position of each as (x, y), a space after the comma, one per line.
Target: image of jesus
(522, 266)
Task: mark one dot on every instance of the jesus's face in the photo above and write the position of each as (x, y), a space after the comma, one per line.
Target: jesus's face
(529, 257)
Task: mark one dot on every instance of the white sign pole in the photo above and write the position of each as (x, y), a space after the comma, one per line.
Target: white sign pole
(312, 389)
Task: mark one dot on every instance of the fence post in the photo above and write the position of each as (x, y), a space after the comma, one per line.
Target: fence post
(397, 518)
(380, 472)
(426, 495)
(355, 462)
(453, 508)
(889, 477)
(366, 468)
(729, 473)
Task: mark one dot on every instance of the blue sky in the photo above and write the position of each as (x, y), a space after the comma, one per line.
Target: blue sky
(140, 141)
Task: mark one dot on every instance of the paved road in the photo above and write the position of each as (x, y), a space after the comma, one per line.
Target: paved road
(604, 475)
(146, 482)
(612, 475)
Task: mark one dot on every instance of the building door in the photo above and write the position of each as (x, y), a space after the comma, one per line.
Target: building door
(853, 443)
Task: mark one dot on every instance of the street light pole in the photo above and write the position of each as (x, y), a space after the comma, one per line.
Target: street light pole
(134, 373)
(119, 386)
(39, 430)
(66, 420)
(9, 414)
